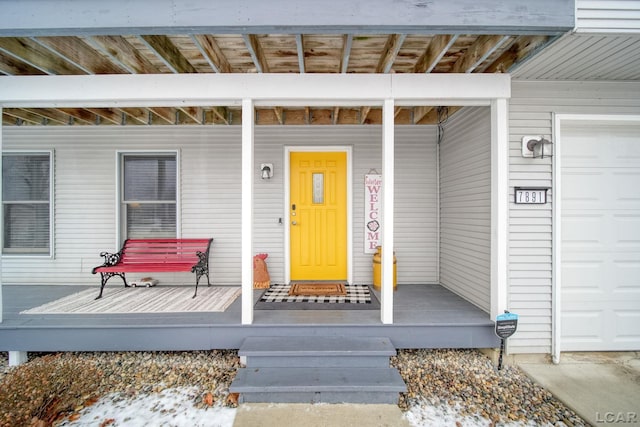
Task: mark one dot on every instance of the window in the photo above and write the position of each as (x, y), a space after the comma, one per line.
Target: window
(148, 195)
(26, 203)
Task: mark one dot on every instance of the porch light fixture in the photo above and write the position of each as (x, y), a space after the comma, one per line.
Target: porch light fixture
(537, 147)
(266, 170)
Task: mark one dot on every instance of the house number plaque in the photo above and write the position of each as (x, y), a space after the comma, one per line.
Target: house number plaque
(530, 195)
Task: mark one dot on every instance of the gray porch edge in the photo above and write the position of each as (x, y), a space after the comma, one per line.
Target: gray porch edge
(203, 337)
(36, 17)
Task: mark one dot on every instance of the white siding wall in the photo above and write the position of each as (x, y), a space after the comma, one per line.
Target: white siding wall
(531, 113)
(465, 206)
(610, 16)
(85, 195)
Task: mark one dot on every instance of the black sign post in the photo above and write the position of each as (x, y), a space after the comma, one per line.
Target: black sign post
(506, 325)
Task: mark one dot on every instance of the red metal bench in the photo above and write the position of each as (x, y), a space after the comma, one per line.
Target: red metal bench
(156, 255)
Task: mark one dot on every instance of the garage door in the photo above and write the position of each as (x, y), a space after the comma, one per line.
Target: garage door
(600, 300)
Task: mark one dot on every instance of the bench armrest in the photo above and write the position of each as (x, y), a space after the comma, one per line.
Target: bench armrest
(110, 259)
(203, 262)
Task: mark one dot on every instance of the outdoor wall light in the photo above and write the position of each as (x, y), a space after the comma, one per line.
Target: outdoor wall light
(266, 170)
(537, 147)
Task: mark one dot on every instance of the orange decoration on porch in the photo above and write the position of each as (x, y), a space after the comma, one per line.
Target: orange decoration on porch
(261, 279)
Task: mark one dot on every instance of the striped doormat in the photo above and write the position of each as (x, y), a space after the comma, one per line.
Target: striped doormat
(358, 297)
(159, 299)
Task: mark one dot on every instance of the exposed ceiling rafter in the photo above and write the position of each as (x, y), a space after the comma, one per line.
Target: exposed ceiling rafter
(390, 52)
(255, 50)
(168, 53)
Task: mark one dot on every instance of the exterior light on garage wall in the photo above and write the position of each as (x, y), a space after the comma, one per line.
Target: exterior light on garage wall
(537, 147)
(266, 170)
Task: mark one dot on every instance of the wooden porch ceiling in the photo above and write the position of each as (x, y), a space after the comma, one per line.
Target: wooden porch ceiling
(252, 53)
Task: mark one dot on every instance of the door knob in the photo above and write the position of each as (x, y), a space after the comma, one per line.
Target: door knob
(294, 223)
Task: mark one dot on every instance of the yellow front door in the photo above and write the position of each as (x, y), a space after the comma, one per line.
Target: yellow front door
(318, 215)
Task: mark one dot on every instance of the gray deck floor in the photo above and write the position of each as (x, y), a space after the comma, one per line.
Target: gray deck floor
(424, 316)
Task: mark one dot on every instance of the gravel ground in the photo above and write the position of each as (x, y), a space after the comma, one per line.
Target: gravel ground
(4, 364)
(464, 385)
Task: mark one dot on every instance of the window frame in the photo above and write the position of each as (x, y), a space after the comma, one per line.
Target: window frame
(31, 255)
(121, 234)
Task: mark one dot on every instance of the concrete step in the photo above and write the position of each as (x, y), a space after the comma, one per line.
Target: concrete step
(317, 351)
(314, 385)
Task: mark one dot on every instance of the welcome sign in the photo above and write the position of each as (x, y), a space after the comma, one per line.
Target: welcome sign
(372, 187)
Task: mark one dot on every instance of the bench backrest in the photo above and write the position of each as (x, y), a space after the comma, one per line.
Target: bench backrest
(163, 250)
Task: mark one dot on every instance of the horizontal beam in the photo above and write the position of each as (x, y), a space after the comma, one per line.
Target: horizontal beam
(122, 17)
(179, 90)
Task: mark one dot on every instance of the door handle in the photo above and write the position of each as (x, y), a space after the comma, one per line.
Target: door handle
(294, 223)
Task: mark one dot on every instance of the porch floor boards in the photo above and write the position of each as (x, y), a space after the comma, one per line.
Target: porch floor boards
(424, 316)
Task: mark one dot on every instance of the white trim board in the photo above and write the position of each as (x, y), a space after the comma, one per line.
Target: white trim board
(177, 90)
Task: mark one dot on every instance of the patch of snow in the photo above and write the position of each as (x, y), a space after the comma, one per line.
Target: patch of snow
(172, 407)
(425, 414)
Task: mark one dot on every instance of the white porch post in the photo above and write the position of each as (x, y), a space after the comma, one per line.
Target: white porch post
(247, 211)
(1, 220)
(499, 205)
(388, 172)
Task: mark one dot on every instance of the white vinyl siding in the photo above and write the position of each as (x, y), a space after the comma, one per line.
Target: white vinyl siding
(610, 16)
(532, 106)
(465, 206)
(210, 195)
(585, 56)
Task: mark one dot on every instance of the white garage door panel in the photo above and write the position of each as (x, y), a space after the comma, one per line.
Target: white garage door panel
(582, 276)
(627, 274)
(584, 232)
(600, 237)
(629, 330)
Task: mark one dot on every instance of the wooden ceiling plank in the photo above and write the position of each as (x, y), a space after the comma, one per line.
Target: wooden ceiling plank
(194, 113)
(346, 52)
(51, 114)
(437, 48)
(364, 112)
(12, 66)
(81, 55)
(390, 52)
(478, 52)
(37, 56)
(25, 115)
(300, 49)
(168, 53)
(521, 48)
(279, 112)
(108, 114)
(212, 53)
(321, 116)
(167, 114)
(420, 112)
(80, 115)
(503, 43)
(138, 115)
(8, 120)
(221, 113)
(255, 50)
(122, 51)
